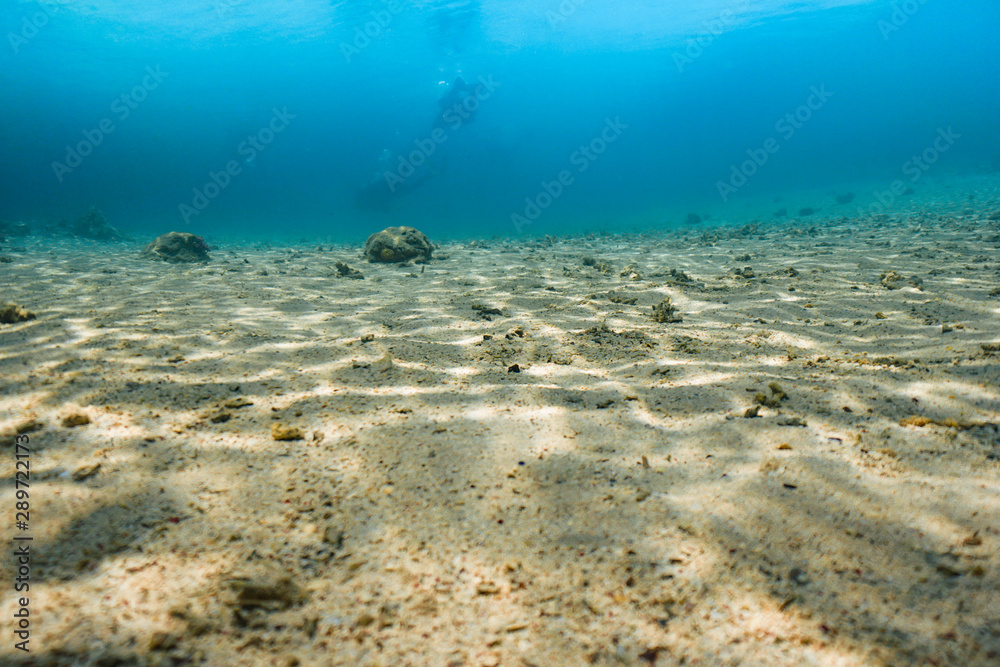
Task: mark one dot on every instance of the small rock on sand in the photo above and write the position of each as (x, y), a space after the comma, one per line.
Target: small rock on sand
(345, 271)
(75, 419)
(265, 594)
(281, 432)
(85, 471)
(665, 312)
(893, 280)
(12, 313)
(383, 365)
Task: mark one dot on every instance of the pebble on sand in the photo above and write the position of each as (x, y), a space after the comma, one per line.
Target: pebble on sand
(665, 312)
(75, 419)
(281, 431)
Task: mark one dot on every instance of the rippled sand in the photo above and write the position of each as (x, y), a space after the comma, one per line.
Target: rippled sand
(611, 503)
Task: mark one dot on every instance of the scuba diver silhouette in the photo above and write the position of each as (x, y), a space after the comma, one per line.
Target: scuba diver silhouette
(456, 107)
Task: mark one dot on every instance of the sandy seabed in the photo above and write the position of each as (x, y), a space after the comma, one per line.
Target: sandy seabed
(615, 502)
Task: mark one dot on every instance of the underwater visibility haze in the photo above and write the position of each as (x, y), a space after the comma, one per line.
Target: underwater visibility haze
(674, 338)
(477, 118)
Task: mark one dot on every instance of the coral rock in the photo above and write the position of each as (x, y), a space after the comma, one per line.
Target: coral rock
(95, 226)
(12, 313)
(178, 247)
(398, 244)
(665, 313)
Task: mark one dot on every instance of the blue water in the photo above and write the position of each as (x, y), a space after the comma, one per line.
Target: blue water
(272, 118)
